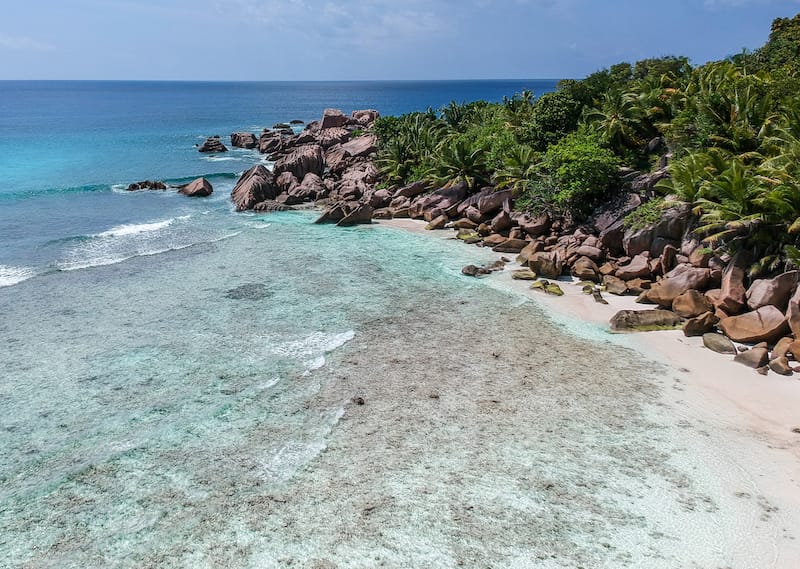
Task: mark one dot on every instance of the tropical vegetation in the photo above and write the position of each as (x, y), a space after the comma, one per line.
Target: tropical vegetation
(729, 130)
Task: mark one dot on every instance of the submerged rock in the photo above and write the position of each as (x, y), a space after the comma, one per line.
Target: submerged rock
(475, 271)
(267, 206)
(253, 291)
(147, 185)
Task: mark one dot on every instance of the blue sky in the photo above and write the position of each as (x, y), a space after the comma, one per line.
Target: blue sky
(367, 39)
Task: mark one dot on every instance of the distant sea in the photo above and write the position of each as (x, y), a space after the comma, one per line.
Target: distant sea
(67, 148)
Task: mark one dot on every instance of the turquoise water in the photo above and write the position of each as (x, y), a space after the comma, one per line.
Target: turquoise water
(179, 373)
(68, 149)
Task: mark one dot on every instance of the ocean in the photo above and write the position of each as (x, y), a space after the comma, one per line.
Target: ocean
(179, 383)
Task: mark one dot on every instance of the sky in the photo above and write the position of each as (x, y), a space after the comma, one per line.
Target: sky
(265, 40)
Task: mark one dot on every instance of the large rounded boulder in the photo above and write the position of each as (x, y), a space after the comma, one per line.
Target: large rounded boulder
(767, 324)
(302, 160)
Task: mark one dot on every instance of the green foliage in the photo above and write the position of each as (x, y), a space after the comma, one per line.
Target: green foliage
(574, 175)
(732, 127)
(519, 169)
(781, 53)
(407, 144)
(670, 66)
(459, 161)
(649, 213)
(553, 116)
(617, 120)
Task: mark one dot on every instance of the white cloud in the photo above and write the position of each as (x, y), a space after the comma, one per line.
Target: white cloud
(350, 24)
(23, 43)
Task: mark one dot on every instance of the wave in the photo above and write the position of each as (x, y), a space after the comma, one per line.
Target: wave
(311, 350)
(127, 241)
(257, 224)
(55, 191)
(223, 158)
(97, 258)
(9, 276)
(134, 229)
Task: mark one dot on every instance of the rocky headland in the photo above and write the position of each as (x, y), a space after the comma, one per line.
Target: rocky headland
(678, 279)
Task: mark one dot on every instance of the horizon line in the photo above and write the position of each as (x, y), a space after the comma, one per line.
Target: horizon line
(285, 80)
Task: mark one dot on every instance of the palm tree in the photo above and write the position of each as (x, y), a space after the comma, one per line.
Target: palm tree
(732, 203)
(688, 177)
(518, 169)
(457, 161)
(617, 119)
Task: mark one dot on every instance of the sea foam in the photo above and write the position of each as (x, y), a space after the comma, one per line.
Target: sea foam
(127, 241)
(311, 350)
(9, 276)
(135, 228)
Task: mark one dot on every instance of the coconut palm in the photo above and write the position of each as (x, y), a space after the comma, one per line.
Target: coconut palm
(518, 169)
(617, 119)
(456, 161)
(731, 203)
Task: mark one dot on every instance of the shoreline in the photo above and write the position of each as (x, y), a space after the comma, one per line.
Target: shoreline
(773, 411)
(740, 422)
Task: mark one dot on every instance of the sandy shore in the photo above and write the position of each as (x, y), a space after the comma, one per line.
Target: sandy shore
(769, 406)
(737, 420)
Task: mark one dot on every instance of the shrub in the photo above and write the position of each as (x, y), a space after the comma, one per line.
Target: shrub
(649, 213)
(554, 115)
(574, 175)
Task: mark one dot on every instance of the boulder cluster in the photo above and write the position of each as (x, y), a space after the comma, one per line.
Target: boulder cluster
(198, 188)
(663, 264)
(326, 163)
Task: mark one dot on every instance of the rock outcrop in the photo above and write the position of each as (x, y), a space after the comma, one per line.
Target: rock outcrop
(301, 161)
(198, 188)
(767, 324)
(255, 185)
(775, 291)
(244, 140)
(213, 145)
